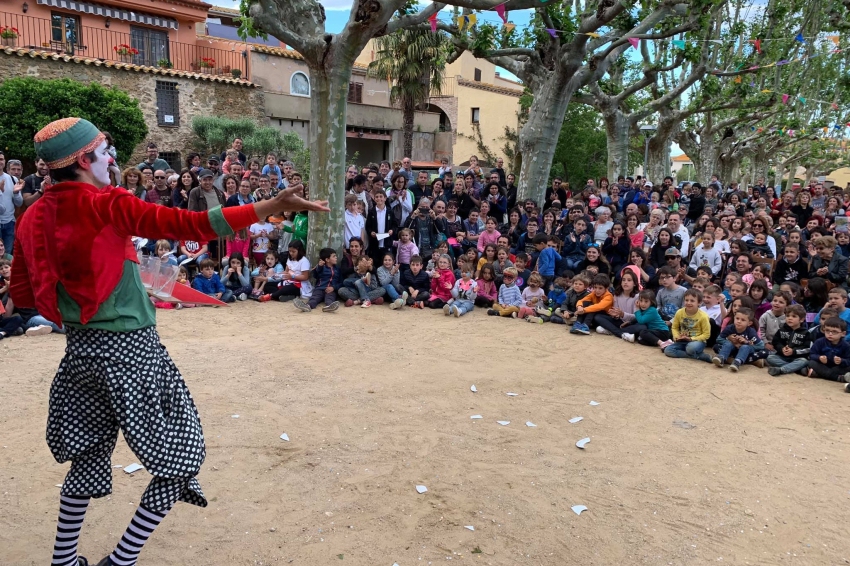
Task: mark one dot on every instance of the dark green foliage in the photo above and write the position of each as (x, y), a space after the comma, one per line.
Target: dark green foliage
(29, 104)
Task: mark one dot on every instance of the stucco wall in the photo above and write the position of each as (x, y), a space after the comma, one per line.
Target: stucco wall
(196, 97)
(496, 111)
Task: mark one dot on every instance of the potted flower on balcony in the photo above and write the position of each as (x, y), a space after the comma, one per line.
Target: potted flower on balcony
(9, 36)
(164, 64)
(125, 52)
(206, 63)
(236, 73)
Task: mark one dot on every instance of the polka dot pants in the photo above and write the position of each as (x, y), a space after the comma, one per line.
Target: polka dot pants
(125, 380)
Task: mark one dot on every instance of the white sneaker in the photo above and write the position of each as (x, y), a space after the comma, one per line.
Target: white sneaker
(628, 337)
(447, 310)
(396, 304)
(242, 297)
(39, 330)
(600, 330)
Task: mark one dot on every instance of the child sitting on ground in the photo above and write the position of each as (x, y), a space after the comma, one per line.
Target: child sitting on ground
(738, 339)
(791, 344)
(417, 283)
(236, 277)
(269, 272)
(510, 297)
(389, 277)
(580, 289)
(671, 295)
(361, 288)
(829, 357)
(523, 273)
(464, 293)
(548, 258)
(486, 283)
(690, 328)
(442, 281)
(532, 295)
(598, 301)
(771, 321)
(209, 283)
(648, 328)
(327, 278)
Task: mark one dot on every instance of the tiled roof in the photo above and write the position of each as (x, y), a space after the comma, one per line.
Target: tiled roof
(681, 159)
(290, 54)
(52, 55)
(224, 10)
(488, 87)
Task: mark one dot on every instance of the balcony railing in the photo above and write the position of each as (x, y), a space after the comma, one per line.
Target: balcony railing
(153, 46)
(447, 90)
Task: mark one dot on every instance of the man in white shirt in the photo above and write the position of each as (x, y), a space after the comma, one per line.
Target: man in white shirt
(674, 223)
(358, 189)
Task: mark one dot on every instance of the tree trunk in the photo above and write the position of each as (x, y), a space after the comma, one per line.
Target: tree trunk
(759, 165)
(539, 137)
(329, 85)
(408, 115)
(792, 170)
(729, 169)
(617, 127)
(658, 164)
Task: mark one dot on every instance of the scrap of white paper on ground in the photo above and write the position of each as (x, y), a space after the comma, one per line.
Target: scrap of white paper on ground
(285, 437)
(421, 489)
(512, 394)
(504, 423)
(473, 389)
(529, 423)
(593, 403)
(582, 443)
(476, 417)
(577, 509)
(574, 420)
(133, 468)
(469, 527)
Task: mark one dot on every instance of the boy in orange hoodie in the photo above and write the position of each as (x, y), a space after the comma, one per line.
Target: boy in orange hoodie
(599, 300)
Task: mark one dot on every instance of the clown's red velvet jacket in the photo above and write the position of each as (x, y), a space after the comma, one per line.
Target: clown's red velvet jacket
(74, 260)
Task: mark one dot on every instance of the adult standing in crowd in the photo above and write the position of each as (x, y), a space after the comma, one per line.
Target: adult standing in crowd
(35, 184)
(153, 161)
(237, 145)
(10, 197)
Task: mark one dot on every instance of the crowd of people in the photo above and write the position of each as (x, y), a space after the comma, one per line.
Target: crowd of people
(716, 273)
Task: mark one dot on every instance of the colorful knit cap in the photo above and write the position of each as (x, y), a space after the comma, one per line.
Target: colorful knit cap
(61, 142)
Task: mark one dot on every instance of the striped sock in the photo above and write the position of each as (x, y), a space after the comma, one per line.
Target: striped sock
(141, 527)
(72, 513)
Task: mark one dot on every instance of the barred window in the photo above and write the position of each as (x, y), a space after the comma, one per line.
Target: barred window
(172, 158)
(355, 92)
(167, 104)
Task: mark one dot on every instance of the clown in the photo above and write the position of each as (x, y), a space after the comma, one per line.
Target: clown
(115, 373)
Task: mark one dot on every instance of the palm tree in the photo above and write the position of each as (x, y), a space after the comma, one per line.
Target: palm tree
(413, 61)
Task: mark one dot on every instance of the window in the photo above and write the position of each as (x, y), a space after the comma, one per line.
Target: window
(172, 158)
(478, 75)
(476, 115)
(167, 105)
(65, 32)
(299, 84)
(152, 45)
(355, 92)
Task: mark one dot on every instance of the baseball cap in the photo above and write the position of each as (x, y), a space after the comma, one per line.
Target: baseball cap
(213, 158)
(205, 173)
(671, 252)
(648, 184)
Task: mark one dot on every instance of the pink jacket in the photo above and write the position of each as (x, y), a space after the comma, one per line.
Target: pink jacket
(438, 285)
(487, 289)
(241, 246)
(486, 238)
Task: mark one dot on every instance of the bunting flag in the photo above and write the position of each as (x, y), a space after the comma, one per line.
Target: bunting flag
(738, 79)
(799, 37)
(766, 91)
(678, 43)
(433, 21)
(802, 100)
(634, 41)
(834, 39)
(757, 43)
(508, 27)
(594, 35)
(782, 62)
(466, 22)
(552, 32)
(834, 106)
(500, 9)
(785, 98)
(461, 22)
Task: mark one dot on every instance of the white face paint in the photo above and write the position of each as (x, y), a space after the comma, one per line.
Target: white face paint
(100, 168)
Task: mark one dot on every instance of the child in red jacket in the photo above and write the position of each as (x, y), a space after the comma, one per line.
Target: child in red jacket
(442, 281)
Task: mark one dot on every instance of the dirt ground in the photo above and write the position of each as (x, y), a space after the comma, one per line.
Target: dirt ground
(687, 464)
